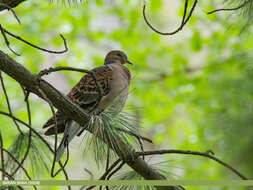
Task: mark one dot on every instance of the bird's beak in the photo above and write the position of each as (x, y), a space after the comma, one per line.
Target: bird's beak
(128, 62)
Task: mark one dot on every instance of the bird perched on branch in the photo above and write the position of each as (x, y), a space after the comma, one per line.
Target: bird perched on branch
(113, 79)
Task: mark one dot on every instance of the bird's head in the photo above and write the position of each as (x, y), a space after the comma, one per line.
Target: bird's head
(116, 56)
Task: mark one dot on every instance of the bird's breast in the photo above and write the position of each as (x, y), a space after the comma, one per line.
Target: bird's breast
(119, 87)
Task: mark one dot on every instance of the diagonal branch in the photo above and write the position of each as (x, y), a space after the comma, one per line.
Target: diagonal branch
(73, 111)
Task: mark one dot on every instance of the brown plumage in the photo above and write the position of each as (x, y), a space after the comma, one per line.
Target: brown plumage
(114, 79)
(83, 93)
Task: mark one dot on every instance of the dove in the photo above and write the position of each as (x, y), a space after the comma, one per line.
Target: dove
(114, 81)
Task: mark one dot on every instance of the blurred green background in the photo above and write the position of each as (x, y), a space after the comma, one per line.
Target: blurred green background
(192, 90)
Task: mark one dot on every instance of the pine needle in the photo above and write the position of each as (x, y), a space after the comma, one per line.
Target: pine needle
(129, 174)
(68, 2)
(245, 8)
(37, 159)
(110, 127)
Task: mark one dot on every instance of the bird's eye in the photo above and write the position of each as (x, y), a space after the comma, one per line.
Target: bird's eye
(118, 54)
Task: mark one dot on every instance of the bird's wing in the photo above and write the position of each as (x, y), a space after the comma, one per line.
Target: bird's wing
(85, 93)
(61, 120)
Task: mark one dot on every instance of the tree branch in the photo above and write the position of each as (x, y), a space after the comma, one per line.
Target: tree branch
(9, 3)
(4, 32)
(8, 103)
(208, 154)
(183, 22)
(229, 9)
(31, 82)
(2, 155)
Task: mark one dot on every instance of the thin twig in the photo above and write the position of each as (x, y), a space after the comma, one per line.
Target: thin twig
(208, 154)
(62, 167)
(2, 155)
(7, 41)
(11, 9)
(141, 146)
(65, 173)
(191, 11)
(135, 135)
(26, 94)
(26, 125)
(20, 165)
(91, 177)
(90, 173)
(55, 69)
(107, 159)
(8, 102)
(103, 177)
(35, 46)
(10, 177)
(2, 149)
(26, 154)
(50, 70)
(55, 129)
(107, 163)
(2, 30)
(185, 12)
(66, 161)
(40, 137)
(183, 22)
(229, 9)
(115, 170)
(17, 162)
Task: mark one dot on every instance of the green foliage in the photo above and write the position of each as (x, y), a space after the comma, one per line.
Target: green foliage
(246, 9)
(193, 90)
(164, 167)
(109, 128)
(38, 160)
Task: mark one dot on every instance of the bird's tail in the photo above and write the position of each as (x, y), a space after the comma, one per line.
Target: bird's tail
(71, 130)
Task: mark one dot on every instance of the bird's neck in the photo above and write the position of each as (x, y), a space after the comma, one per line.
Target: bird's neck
(116, 66)
(112, 62)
